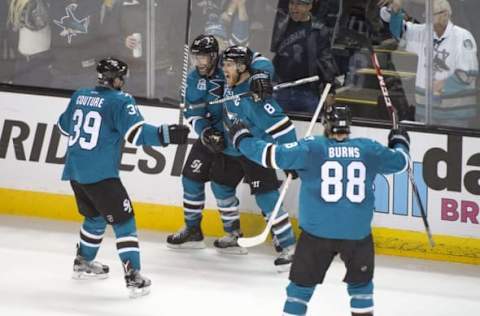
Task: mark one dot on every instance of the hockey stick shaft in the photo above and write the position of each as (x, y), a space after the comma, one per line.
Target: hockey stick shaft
(185, 63)
(296, 83)
(275, 88)
(393, 114)
(256, 240)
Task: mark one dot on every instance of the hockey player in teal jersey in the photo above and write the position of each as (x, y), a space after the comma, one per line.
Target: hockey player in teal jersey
(205, 160)
(266, 120)
(97, 121)
(336, 202)
(205, 83)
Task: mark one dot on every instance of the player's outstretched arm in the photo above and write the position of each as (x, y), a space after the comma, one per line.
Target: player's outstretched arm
(287, 156)
(146, 134)
(398, 159)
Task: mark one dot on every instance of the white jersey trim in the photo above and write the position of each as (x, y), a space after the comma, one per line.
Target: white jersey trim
(131, 130)
(62, 130)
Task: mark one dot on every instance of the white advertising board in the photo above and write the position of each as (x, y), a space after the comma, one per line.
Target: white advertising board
(446, 168)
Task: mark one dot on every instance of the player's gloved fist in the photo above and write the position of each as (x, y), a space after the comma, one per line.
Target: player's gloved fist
(173, 134)
(261, 86)
(238, 131)
(291, 172)
(213, 140)
(398, 136)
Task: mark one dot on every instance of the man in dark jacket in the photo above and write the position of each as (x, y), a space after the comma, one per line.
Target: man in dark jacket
(301, 44)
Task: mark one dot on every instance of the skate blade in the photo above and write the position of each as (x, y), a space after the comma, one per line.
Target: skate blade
(233, 251)
(138, 292)
(282, 268)
(88, 276)
(188, 245)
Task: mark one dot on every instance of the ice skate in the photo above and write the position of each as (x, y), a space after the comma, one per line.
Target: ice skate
(137, 284)
(86, 270)
(187, 238)
(229, 244)
(284, 260)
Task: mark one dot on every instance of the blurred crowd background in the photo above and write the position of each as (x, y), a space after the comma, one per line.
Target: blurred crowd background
(427, 48)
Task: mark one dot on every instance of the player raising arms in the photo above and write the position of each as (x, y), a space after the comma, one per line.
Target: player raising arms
(206, 83)
(97, 121)
(336, 202)
(266, 120)
(209, 159)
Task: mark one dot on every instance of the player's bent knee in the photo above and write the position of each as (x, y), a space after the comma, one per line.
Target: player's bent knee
(361, 298)
(127, 228)
(298, 297)
(193, 186)
(95, 225)
(221, 191)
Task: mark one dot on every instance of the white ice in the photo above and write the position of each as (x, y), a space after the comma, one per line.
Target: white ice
(36, 257)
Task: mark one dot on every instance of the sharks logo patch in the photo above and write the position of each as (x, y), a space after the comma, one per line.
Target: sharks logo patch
(71, 25)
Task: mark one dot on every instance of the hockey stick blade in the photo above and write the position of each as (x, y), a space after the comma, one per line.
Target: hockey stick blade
(247, 242)
(257, 240)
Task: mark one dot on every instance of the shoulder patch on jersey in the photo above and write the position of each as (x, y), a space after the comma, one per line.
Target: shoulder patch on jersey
(468, 44)
(290, 145)
(202, 84)
(309, 138)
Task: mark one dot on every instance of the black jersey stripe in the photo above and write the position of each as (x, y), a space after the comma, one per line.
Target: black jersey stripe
(127, 244)
(193, 206)
(268, 156)
(280, 128)
(94, 241)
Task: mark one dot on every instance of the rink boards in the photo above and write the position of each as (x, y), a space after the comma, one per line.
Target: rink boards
(446, 170)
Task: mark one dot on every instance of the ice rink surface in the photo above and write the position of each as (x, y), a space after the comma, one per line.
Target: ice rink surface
(36, 259)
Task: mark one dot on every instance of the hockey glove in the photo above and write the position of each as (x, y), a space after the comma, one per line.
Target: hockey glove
(292, 172)
(237, 132)
(173, 134)
(213, 140)
(261, 86)
(398, 136)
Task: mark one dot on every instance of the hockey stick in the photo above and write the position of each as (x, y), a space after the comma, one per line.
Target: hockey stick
(186, 50)
(275, 88)
(256, 240)
(393, 115)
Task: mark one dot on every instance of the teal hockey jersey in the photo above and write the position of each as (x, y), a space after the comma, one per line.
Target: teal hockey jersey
(96, 122)
(337, 178)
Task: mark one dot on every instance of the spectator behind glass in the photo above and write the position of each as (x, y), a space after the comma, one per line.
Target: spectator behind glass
(82, 33)
(301, 44)
(133, 46)
(133, 26)
(455, 64)
(30, 21)
(230, 15)
(7, 46)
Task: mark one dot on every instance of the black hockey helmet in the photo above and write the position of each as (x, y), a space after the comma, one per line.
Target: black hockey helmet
(337, 119)
(240, 54)
(110, 68)
(204, 44)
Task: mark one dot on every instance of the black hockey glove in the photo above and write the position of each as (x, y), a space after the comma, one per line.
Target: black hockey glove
(213, 140)
(173, 134)
(238, 131)
(292, 172)
(261, 86)
(398, 136)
